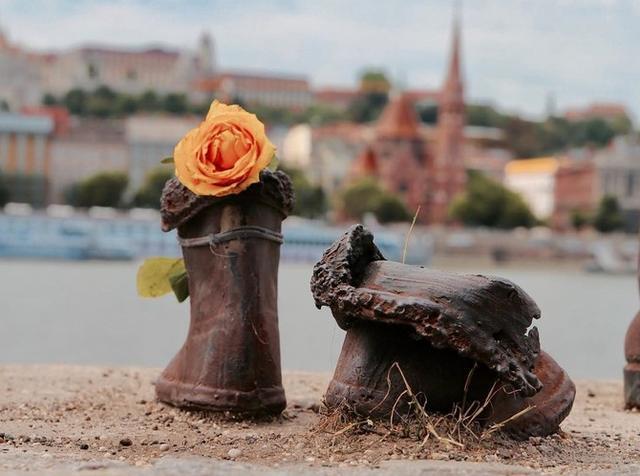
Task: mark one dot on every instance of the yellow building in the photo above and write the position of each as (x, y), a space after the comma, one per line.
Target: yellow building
(25, 156)
(534, 179)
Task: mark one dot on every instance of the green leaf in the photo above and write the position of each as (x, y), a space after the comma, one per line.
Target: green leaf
(167, 160)
(273, 165)
(154, 273)
(180, 285)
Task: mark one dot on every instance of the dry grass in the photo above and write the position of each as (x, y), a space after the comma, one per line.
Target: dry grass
(406, 240)
(460, 429)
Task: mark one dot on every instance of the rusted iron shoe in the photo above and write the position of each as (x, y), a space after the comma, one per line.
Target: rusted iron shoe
(231, 247)
(632, 369)
(541, 414)
(452, 337)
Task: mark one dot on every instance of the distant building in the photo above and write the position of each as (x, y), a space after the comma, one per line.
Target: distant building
(332, 149)
(87, 147)
(20, 76)
(341, 98)
(618, 171)
(399, 157)
(149, 139)
(28, 75)
(448, 172)
(535, 180)
(256, 89)
(423, 172)
(336, 98)
(575, 191)
(607, 111)
(58, 114)
(485, 151)
(25, 157)
(296, 148)
(424, 165)
(130, 71)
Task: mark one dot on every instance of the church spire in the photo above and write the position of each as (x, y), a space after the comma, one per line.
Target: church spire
(453, 86)
(449, 157)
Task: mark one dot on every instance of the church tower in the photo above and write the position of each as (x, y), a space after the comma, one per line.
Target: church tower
(206, 55)
(449, 171)
(398, 154)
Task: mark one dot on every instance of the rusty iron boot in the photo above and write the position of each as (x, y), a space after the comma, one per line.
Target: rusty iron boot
(632, 356)
(632, 369)
(438, 329)
(230, 360)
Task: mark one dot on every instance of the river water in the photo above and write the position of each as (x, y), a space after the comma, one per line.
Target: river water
(89, 313)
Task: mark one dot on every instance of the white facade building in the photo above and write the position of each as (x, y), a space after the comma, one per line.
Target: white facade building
(90, 147)
(28, 75)
(534, 179)
(149, 140)
(618, 172)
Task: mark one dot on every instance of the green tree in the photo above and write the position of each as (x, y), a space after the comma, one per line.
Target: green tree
(374, 80)
(608, 217)
(104, 189)
(488, 203)
(311, 201)
(149, 101)
(101, 102)
(391, 209)
(175, 103)
(150, 192)
(125, 105)
(201, 108)
(367, 196)
(317, 114)
(579, 219)
(597, 132)
(484, 115)
(361, 197)
(367, 107)
(273, 115)
(5, 196)
(621, 125)
(75, 101)
(49, 100)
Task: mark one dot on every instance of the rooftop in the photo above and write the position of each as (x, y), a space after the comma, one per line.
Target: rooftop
(398, 119)
(536, 165)
(24, 124)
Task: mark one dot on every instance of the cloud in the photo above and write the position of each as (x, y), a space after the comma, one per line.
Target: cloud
(516, 52)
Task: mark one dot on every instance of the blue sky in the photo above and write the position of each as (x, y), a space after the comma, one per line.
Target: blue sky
(516, 52)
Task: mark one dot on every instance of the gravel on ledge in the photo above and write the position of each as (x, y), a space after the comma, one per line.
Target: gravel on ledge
(59, 420)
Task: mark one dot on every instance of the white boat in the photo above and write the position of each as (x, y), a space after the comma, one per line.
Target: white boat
(608, 259)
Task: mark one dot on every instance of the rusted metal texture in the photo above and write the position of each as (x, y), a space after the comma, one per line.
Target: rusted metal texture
(632, 369)
(544, 411)
(230, 360)
(437, 327)
(632, 355)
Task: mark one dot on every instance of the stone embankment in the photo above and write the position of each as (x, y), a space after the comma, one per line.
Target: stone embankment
(104, 421)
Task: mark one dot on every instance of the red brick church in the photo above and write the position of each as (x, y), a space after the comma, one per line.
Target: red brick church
(425, 173)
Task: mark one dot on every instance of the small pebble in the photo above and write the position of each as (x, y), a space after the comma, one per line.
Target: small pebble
(126, 442)
(164, 447)
(234, 453)
(84, 446)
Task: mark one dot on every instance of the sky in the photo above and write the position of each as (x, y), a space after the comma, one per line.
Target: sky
(517, 53)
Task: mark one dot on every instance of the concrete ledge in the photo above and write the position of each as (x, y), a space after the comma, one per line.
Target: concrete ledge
(68, 419)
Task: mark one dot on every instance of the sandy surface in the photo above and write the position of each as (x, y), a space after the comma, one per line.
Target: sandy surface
(63, 419)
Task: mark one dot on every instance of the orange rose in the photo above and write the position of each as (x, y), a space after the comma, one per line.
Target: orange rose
(224, 154)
